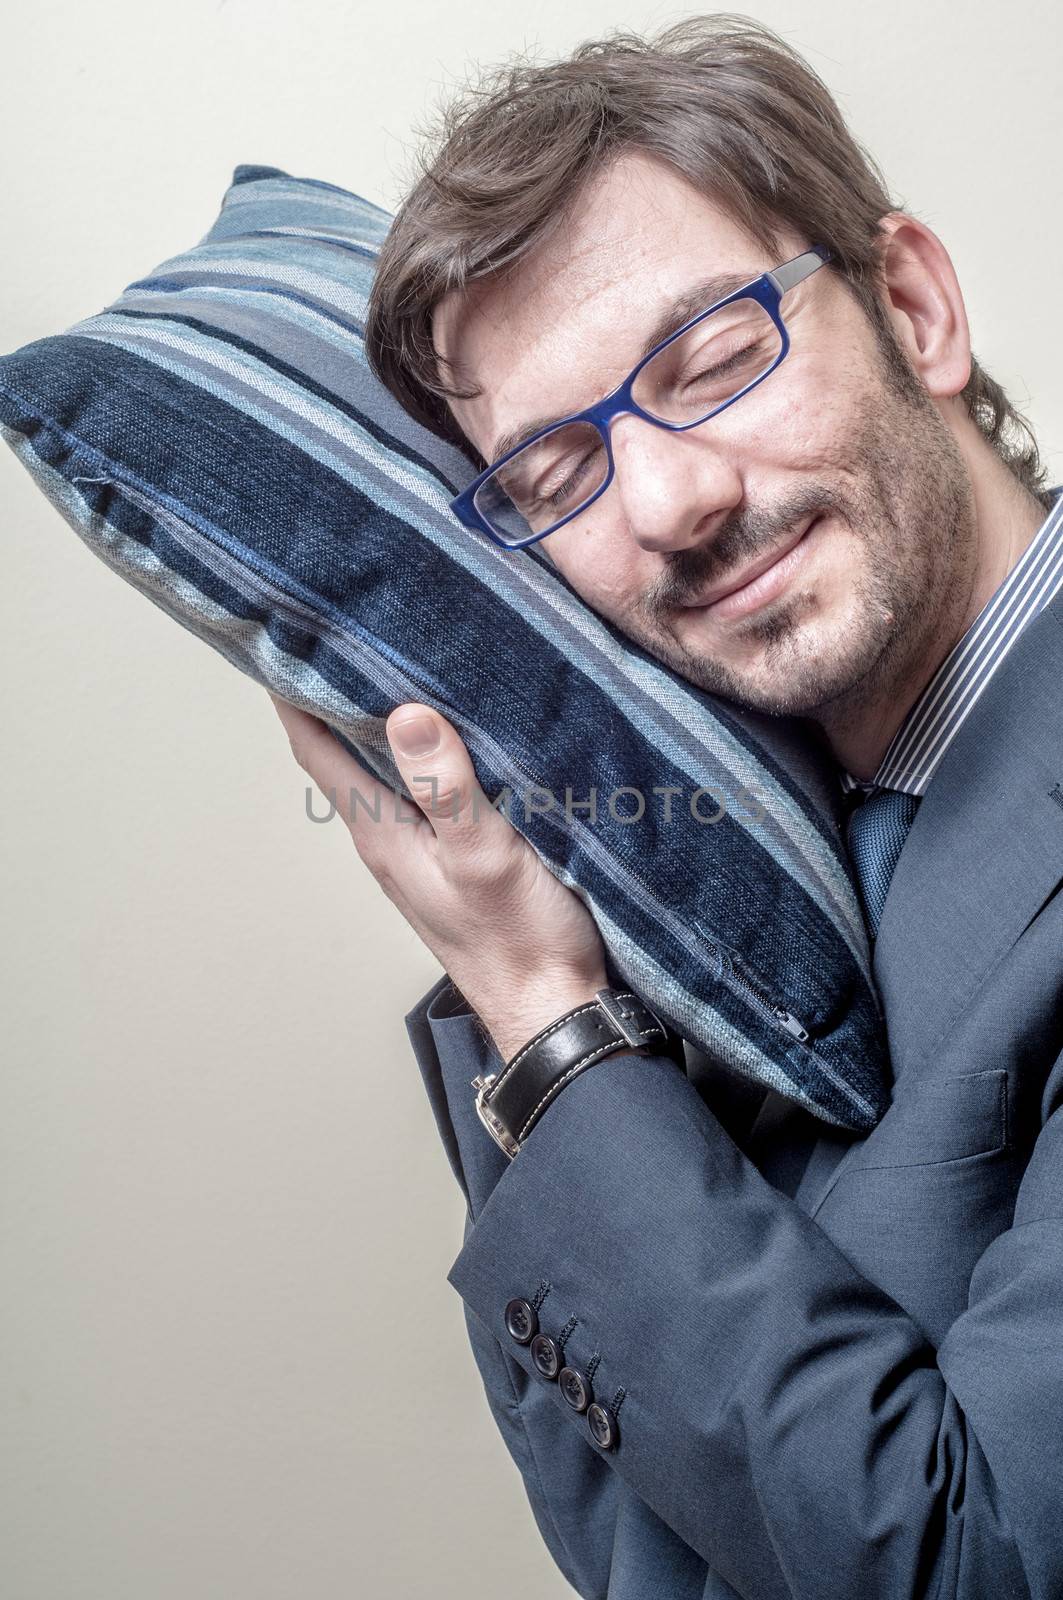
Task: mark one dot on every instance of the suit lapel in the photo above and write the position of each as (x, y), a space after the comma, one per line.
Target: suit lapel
(986, 847)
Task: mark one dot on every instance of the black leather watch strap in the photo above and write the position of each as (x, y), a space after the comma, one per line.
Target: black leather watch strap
(511, 1101)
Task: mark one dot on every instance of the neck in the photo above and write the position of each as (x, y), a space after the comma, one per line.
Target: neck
(1007, 517)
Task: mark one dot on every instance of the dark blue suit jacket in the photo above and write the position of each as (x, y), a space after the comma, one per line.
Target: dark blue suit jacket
(837, 1362)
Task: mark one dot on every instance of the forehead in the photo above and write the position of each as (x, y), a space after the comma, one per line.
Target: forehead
(568, 324)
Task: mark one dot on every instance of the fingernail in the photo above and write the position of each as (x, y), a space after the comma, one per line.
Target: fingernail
(417, 736)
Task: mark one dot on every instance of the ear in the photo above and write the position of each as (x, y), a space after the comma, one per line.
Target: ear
(922, 297)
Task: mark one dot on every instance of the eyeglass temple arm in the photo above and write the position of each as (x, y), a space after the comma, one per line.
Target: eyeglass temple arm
(798, 269)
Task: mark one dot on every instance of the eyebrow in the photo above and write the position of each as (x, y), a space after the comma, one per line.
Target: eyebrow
(677, 312)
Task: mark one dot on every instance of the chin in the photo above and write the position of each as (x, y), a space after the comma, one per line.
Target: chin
(782, 662)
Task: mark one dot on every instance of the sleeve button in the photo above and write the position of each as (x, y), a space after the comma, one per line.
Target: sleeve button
(575, 1388)
(546, 1356)
(521, 1322)
(603, 1427)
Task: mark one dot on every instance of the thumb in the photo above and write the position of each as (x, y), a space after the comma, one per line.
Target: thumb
(438, 772)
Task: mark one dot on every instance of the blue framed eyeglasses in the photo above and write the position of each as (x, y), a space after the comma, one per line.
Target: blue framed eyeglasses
(694, 374)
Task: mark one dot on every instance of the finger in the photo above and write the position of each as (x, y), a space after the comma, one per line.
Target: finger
(432, 758)
(359, 797)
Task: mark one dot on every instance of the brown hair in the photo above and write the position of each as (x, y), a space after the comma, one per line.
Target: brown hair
(723, 100)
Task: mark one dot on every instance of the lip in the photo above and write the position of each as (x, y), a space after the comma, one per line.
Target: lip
(734, 590)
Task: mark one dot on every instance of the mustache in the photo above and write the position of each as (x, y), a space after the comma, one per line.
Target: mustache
(738, 541)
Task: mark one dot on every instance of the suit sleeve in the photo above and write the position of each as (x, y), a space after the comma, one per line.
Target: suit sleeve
(577, 1517)
(776, 1410)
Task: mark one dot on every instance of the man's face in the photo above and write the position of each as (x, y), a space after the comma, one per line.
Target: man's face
(843, 489)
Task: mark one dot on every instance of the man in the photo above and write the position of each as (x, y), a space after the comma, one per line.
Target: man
(820, 1366)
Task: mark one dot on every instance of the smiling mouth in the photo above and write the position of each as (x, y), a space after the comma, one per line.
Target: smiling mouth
(735, 585)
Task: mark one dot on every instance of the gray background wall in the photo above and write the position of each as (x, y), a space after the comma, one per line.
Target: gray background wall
(230, 1364)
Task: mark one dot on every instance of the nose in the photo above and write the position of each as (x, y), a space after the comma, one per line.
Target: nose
(674, 488)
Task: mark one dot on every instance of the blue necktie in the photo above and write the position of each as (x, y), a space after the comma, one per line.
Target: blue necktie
(877, 830)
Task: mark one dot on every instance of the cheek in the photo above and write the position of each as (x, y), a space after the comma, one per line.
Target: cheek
(602, 566)
(812, 415)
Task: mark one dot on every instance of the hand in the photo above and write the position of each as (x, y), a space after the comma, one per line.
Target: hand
(520, 946)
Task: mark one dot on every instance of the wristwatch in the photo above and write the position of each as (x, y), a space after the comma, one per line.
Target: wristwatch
(509, 1103)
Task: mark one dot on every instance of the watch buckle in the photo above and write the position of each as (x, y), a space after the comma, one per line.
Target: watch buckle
(498, 1131)
(620, 1019)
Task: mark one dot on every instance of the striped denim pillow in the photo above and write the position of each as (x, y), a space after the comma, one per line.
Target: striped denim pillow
(217, 438)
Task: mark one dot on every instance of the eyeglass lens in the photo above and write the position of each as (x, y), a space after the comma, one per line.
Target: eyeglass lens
(684, 383)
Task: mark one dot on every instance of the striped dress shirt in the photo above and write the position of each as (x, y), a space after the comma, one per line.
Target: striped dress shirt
(917, 748)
